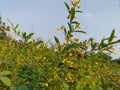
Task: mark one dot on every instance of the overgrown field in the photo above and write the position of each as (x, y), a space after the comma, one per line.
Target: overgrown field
(31, 64)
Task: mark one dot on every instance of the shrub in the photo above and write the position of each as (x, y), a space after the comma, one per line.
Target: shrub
(72, 65)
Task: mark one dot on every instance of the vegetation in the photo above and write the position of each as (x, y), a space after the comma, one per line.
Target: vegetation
(117, 60)
(29, 64)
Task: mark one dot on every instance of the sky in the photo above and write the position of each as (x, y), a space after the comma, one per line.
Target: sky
(42, 17)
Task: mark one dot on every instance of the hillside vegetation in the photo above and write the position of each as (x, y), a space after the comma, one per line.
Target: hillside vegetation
(30, 64)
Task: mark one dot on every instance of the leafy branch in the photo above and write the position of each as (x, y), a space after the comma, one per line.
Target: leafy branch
(23, 35)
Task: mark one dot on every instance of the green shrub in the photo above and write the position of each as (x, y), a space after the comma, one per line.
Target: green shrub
(72, 65)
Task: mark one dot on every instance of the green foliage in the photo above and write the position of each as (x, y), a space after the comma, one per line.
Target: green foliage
(117, 60)
(26, 37)
(22, 35)
(5, 79)
(72, 65)
(3, 30)
(73, 25)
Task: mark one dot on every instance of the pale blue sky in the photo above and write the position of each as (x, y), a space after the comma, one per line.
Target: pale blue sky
(98, 19)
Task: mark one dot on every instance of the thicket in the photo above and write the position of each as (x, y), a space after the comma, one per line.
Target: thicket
(29, 64)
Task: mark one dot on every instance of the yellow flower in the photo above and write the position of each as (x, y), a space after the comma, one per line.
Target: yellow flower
(74, 3)
(46, 84)
(56, 75)
(62, 27)
(55, 50)
(78, 7)
(64, 60)
(44, 45)
(80, 51)
(70, 54)
(65, 39)
(78, 25)
(44, 58)
(70, 62)
(76, 39)
(93, 83)
(57, 29)
(96, 63)
(70, 39)
(68, 76)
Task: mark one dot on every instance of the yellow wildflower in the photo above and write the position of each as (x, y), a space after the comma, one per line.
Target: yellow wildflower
(68, 76)
(56, 75)
(55, 50)
(70, 54)
(76, 39)
(46, 84)
(44, 45)
(78, 7)
(96, 63)
(66, 39)
(80, 51)
(70, 39)
(64, 60)
(50, 68)
(44, 58)
(93, 83)
(78, 25)
(70, 62)
(57, 29)
(74, 3)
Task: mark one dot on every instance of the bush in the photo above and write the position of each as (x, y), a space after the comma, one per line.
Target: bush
(72, 65)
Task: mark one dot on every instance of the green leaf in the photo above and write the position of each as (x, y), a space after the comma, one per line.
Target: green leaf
(22, 87)
(5, 73)
(38, 42)
(79, 11)
(79, 85)
(70, 27)
(80, 31)
(8, 28)
(10, 22)
(65, 86)
(91, 41)
(115, 42)
(56, 40)
(69, 34)
(75, 22)
(65, 31)
(24, 35)
(72, 14)
(101, 44)
(94, 46)
(73, 45)
(16, 27)
(5, 80)
(29, 36)
(111, 36)
(68, 8)
(18, 33)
